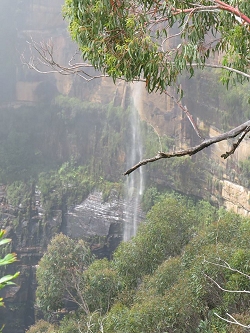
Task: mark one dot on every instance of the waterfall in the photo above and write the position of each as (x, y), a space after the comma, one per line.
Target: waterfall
(135, 182)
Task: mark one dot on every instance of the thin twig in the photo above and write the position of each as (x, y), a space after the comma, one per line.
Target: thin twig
(227, 266)
(227, 290)
(232, 321)
(185, 110)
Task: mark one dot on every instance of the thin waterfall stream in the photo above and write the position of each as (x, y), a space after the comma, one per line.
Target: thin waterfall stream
(134, 186)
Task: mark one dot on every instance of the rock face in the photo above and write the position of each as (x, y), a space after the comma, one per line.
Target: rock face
(94, 217)
(103, 222)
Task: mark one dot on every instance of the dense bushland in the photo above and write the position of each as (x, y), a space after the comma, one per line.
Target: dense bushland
(163, 280)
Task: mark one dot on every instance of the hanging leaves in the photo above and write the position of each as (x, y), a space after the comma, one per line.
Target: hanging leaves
(138, 40)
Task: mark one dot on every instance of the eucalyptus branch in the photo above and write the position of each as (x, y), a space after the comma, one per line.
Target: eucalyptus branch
(230, 69)
(193, 150)
(180, 32)
(233, 10)
(219, 5)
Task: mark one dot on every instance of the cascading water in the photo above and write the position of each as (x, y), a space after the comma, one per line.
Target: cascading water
(135, 181)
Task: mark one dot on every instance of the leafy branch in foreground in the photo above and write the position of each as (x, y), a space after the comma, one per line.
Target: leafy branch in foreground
(8, 259)
(155, 41)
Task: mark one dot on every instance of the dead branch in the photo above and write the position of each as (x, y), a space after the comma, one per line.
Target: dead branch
(232, 321)
(236, 145)
(227, 266)
(187, 113)
(74, 287)
(241, 129)
(42, 60)
(227, 290)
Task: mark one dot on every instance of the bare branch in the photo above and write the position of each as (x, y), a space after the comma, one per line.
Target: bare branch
(42, 60)
(227, 266)
(189, 116)
(193, 150)
(236, 145)
(227, 290)
(232, 321)
(230, 69)
(74, 287)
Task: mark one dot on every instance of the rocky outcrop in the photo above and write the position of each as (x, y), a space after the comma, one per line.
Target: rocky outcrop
(101, 221)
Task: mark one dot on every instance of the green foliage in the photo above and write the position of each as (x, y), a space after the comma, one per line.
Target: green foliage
(149, 198)
(170, 225)
(184, 174)
(41, 138)
(60, 273)
(108, 187)
(42, 327)
(119, 38)
(67, 186)
(71, 108)
(18, 194)
(9, 258)
(179, 295)
(102, 286)
(69, 325)
(162, 280)
(213, 103)
(240, 262)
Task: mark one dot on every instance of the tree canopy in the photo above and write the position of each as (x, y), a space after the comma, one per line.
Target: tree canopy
(59, 274)
(156, 40)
